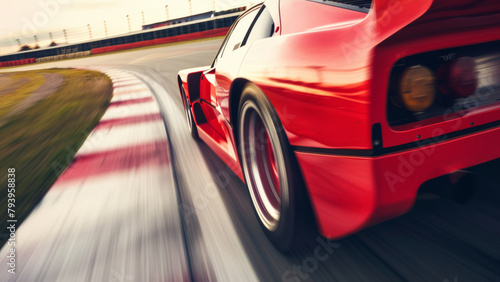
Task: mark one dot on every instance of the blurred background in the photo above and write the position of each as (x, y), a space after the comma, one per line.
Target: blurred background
(44, 22)
(169, 209)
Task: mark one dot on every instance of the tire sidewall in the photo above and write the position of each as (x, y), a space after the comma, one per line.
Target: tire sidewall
(283, 235)
(187, 108)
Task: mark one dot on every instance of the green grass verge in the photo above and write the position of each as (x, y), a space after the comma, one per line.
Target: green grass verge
(42, 140)
(16, 93)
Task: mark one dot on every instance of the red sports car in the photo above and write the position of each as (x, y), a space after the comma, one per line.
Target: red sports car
(350, 107)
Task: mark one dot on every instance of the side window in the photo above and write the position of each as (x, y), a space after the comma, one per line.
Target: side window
(262, 28)
(238, 34)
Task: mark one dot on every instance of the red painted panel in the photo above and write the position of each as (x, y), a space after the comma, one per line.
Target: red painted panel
(152, 154)
(326, 77)
(207, 134)
(351, 193)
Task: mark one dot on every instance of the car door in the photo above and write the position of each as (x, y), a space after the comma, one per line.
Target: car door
(215, 83)
(238, 30)
(229, 59)
(212, 87)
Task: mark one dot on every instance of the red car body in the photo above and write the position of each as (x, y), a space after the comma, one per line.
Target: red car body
(327, 71)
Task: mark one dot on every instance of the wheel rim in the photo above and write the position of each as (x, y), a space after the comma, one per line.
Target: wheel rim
(259, 158)
(271, 163)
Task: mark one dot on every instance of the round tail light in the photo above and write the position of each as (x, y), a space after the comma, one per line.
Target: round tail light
(459, 78)
(417, 89)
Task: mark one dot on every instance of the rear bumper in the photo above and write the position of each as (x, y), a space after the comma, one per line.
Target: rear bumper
(349, 193)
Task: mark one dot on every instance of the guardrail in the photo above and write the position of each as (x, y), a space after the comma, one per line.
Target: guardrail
(217, 26)
(63, 56)
(164, 40)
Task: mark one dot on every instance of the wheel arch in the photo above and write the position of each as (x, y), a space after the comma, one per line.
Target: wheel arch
(180, 85)
(235, 93)
(179, 82)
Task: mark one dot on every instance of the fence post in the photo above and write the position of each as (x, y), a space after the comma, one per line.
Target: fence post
(65, 36)
(90, 32)
(128, 20)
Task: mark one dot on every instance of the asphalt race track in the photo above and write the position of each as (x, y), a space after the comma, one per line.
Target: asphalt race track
(438, 240)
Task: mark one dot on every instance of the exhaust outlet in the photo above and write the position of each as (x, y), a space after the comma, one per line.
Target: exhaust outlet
(459, 186)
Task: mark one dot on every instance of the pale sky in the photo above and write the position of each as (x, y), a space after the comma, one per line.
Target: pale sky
(22, 19)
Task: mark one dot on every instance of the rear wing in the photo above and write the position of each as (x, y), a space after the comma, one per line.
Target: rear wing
(390, 16)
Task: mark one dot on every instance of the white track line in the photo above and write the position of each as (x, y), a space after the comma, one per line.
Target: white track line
(222, 246)
(108, 226)
(131, 96)
(105, 139)
(131, 110)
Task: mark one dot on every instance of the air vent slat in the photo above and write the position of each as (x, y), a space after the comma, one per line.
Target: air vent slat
(362, 5)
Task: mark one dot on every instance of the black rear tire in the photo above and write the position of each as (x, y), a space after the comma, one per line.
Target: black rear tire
(280, 204)
(189, 115)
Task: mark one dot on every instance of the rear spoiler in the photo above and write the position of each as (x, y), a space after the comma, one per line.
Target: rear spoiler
(391, 16)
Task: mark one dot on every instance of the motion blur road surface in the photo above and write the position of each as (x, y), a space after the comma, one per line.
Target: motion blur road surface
(438, 240)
